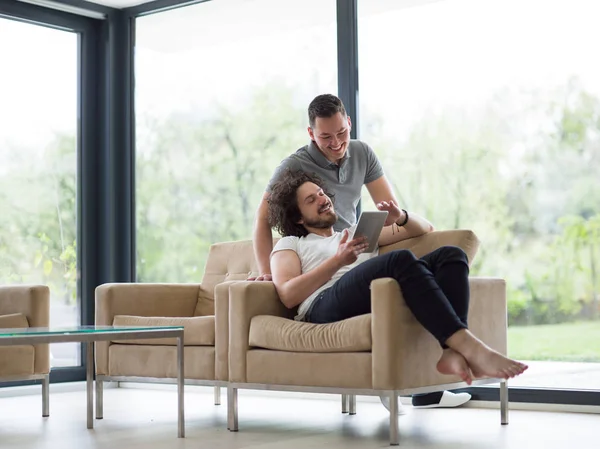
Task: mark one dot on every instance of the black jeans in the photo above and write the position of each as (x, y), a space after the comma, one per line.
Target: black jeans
(435, 288)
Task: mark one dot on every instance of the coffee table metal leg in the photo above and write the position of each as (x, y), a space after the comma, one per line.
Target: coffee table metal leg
(90, 385)
(180, 403)
(46, 396)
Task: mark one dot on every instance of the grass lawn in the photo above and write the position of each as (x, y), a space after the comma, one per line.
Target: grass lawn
(569, 342)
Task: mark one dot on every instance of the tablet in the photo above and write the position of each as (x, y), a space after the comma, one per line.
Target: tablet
(370, 225)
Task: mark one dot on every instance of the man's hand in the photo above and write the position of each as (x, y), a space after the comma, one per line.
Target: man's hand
(262, 277)
(394, 212)
(348, 251)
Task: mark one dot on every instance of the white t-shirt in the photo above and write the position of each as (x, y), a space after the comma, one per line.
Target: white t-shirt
(312, 251)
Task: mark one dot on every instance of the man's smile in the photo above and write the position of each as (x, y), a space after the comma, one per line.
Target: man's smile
(325, 208)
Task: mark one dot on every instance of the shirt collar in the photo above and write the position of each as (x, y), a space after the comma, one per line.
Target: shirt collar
(321, 160)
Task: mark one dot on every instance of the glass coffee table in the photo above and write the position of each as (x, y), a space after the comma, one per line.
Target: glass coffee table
(89, 335)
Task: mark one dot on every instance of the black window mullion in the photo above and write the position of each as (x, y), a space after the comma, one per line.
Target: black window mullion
(347, 45)
(91, 149)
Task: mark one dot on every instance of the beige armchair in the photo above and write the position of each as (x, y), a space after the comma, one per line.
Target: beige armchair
(189, 305)
(23, 306)
(386, 352)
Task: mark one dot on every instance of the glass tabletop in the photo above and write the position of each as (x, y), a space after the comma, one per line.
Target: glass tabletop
(66, 330)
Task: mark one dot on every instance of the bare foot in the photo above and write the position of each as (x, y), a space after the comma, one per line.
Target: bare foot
(452, 362)
(483, 360)
(486, 362)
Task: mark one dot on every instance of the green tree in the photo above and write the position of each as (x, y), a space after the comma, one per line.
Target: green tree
(509, 170)
(38, 200)
(200, 179)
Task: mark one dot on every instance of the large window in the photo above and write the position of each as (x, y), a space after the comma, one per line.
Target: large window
(486, 115)
(221, 94)
(38, 166)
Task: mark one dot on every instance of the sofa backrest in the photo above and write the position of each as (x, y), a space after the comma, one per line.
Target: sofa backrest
(229, 261)
(235, 261)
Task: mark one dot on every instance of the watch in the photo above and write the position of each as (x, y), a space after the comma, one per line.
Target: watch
(405, 219)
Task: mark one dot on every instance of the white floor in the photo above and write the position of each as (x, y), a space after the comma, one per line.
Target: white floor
(146, 418)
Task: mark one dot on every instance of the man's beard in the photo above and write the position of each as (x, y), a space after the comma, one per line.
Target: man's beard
(322, 222)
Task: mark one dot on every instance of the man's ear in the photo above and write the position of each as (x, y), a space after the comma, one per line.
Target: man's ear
(350, 123)
(311, 133)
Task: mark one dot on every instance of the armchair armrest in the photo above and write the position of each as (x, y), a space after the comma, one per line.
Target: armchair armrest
(404, 354)
(464, 239)
(488, 318)
(168, 300)
(222, 330)
(248, 299)
(33, 301)
(390, 331)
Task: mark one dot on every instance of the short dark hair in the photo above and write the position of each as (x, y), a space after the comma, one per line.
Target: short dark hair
(324, 106)
(284, 213)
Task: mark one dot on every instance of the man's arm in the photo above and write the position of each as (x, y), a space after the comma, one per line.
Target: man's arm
(381, 190)
(262, 240)
(294, 287)
(414, 227)
(262, 237)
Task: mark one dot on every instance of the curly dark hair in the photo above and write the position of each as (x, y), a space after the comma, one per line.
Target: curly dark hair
(284, 212)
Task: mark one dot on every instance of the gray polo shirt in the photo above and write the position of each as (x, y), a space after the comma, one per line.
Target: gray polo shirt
(358, 167)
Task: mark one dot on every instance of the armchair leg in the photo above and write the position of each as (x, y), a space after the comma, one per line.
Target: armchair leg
(46, 396)
(99, 399)
(217, 393)
(394, 430)
(232, 409)
(352, 406)
(503, 402)
(344, 403)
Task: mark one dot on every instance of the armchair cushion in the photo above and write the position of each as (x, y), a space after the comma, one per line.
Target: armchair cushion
(160, 361)
(17, 360)
(33, 302)
(13, 321)
(282, 334)
(198, 330)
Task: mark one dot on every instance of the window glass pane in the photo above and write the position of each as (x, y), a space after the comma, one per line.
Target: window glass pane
(38, 168)
(222, 89)
(485, 115)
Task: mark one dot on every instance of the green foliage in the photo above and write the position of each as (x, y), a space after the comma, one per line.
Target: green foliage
(38, 223)
(200, 180)
(579, 244)
(518, 304)
(514, 185)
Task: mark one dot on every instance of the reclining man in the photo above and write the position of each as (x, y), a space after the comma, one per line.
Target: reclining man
(328, 274)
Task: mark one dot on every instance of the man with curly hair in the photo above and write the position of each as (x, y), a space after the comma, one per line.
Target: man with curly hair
(327, 274)
(346, 165)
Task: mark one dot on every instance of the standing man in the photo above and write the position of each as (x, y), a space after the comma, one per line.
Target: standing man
(345, 165)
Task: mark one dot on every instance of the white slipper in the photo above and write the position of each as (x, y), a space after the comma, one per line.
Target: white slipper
(385, 400)
(448, 399)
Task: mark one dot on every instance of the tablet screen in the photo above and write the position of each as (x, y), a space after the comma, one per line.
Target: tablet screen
(370, 225)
